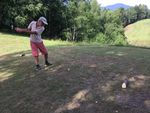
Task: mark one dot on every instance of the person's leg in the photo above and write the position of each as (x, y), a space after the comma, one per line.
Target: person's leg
(46, 60)
(36, 58)
(35, 54)
(44, 51)
(46, 57)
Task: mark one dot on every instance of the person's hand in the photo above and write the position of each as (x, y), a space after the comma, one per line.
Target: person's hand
(18, 29)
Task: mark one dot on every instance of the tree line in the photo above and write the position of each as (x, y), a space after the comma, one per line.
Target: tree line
(73, 20)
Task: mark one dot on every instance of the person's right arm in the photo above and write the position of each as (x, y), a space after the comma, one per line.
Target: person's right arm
(21, 30)
(28, 30)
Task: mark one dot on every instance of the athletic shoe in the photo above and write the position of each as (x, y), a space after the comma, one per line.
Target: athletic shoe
(38, 67)
(47, 64)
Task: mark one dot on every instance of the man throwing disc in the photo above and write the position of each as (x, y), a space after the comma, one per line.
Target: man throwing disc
(35, 29)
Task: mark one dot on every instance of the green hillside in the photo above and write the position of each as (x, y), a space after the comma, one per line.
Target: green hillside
(138, 34)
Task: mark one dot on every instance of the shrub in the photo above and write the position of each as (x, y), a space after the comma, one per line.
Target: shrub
(101, 38)
(120, 41)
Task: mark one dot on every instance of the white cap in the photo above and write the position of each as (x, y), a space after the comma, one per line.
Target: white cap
(43, 19)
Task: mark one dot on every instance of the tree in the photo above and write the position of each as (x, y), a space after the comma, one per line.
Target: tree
(142, 11)
(83, 19)
(19, 11)
(56, 15)
(132, 15)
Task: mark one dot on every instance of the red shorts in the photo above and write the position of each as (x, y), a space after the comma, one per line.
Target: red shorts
(36, 47)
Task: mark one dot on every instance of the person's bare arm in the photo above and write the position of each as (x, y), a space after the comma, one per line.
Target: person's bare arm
(20, 30)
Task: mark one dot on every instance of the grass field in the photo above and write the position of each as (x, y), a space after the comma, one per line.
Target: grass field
(138, 34)
(14, 43)
(83, 79)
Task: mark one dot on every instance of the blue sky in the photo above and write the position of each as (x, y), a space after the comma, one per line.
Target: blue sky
(128, 2)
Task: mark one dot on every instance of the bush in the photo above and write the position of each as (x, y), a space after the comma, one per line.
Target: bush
(120, 41)
(115, 40)
(101, 38)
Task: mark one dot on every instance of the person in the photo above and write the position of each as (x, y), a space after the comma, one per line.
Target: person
(35, 29)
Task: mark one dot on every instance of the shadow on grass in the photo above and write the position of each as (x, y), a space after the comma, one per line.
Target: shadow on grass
(82, 80)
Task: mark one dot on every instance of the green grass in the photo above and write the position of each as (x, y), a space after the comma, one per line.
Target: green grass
(15, 43)
(138, 34)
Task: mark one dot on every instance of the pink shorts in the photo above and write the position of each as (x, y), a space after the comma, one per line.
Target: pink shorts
(36, 47)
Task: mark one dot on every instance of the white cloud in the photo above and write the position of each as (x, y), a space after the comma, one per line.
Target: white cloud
(128, 2)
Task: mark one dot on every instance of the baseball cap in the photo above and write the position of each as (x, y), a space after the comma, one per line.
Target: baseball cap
(43, 19)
